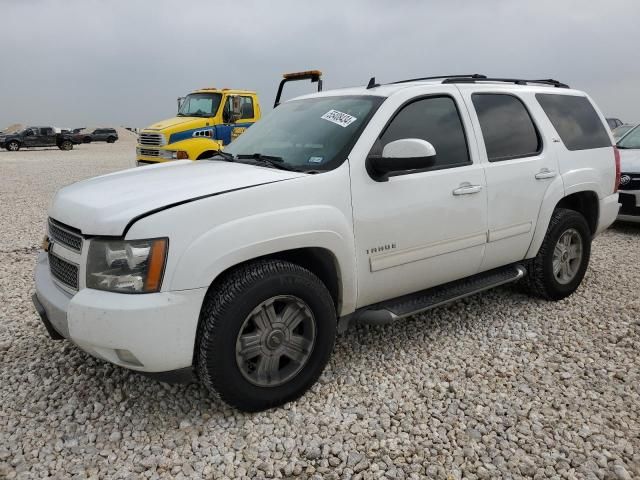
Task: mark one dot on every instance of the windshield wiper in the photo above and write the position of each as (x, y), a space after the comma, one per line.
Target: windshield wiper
(225, 155)
(273, 161)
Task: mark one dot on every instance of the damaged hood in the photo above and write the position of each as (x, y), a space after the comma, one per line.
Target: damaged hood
(106, 205)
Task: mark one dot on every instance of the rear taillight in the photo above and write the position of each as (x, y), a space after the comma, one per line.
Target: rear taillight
(616, 154)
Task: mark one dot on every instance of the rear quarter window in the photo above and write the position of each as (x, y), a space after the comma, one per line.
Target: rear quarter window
(575, 120)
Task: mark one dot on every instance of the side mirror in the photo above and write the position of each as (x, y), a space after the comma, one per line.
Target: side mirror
(400, 156)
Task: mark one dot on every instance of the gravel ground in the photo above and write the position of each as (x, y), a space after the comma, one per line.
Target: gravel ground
(497, 385)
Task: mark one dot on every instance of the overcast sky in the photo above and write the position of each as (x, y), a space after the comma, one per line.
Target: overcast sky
(75, 63)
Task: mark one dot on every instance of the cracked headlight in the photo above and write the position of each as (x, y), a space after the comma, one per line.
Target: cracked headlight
(126, 266)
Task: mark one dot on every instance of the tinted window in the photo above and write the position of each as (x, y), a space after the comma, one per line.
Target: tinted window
(436, 120)
(575, 120)
(506, 125)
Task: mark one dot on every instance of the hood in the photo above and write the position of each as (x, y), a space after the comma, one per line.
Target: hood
(105, 205)
(629, 161)
(183, 123)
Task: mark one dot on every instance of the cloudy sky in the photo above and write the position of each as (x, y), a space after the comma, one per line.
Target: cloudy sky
(87, 62)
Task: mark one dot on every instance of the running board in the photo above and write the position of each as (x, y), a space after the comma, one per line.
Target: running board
(407, 305)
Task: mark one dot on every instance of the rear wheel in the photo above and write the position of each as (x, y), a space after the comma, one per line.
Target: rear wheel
(266, 333)
(13, 146)
(86, 140)
(558, 269)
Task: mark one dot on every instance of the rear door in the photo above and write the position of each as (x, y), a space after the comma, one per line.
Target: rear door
(47, 137)
(519, 168)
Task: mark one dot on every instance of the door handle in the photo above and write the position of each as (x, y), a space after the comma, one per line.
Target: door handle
(545, 173)
(467, 189)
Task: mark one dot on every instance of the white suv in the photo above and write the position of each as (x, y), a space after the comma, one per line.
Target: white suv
(365, 204)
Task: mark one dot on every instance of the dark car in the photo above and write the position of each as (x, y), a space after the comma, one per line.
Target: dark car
(614, 122)
(32, 137)
(108, 135)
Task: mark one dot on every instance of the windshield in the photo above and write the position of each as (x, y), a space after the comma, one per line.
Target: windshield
(309, 134)
(619, 132)
(200, 105)
(631, 139)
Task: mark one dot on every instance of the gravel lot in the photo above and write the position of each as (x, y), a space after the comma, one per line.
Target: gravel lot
(498, 385)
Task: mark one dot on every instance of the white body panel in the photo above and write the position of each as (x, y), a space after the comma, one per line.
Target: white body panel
(385, 238)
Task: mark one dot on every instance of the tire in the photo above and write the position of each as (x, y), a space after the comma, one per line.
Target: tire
(230, 311)
(13, 146)
(111, 140)
(66, 145)
(86, 140)
(555, 284)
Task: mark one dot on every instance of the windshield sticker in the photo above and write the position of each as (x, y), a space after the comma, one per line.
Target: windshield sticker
(339, 118)
(315, 159)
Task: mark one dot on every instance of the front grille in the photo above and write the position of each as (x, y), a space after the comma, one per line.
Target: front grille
(628, 202)
(632, 179)
(156, 139)
(64, 236)
(63, 271)
(149, 152)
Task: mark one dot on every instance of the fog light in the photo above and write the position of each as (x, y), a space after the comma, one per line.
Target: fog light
(125, 356)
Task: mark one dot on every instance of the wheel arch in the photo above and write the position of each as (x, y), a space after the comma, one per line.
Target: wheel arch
(318, 260)
(586, 202)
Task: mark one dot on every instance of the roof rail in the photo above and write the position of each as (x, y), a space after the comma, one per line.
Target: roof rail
(517, 81)
(437, 77)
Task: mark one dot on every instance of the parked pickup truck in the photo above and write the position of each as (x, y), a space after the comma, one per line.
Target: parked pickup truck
(32, 137)
(366, 204)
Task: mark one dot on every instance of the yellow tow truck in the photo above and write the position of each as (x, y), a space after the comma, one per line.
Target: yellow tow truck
(207, 120)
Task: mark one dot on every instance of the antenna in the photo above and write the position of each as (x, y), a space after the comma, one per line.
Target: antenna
(372, 83)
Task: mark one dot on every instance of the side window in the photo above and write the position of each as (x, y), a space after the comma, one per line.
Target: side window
(243, 106)
(507, 128)
(575, 120)
(436, 120)
(44, 131)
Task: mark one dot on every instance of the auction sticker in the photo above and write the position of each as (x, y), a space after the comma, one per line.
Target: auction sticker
(339, 118)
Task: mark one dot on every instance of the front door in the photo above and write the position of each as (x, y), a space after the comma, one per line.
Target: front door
(421, 228)
(520, 168)
(31, 138)
(238, 114)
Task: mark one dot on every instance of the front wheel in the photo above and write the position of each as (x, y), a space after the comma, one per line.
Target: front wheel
(558, 269)
(111, 140)
(266, 333)
(13, 146)
(66, 145)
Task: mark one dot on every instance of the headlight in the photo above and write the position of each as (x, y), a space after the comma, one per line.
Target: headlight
(127, 266)
(174, 154)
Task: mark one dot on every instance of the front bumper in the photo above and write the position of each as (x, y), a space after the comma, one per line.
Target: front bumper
(630, 209)
(151, 333)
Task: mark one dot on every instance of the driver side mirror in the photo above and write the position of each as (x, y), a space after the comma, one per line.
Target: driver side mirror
(401, 155)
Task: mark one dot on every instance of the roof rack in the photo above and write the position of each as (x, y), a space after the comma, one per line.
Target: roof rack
(517, 81)
(437, 77)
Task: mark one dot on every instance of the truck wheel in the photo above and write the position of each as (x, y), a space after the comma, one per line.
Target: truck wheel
(13, 146)
(266, 332)
(66, 145)
(111, 140)
(558, 269)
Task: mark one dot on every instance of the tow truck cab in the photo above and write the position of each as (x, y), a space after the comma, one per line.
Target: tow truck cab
(207, 119)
